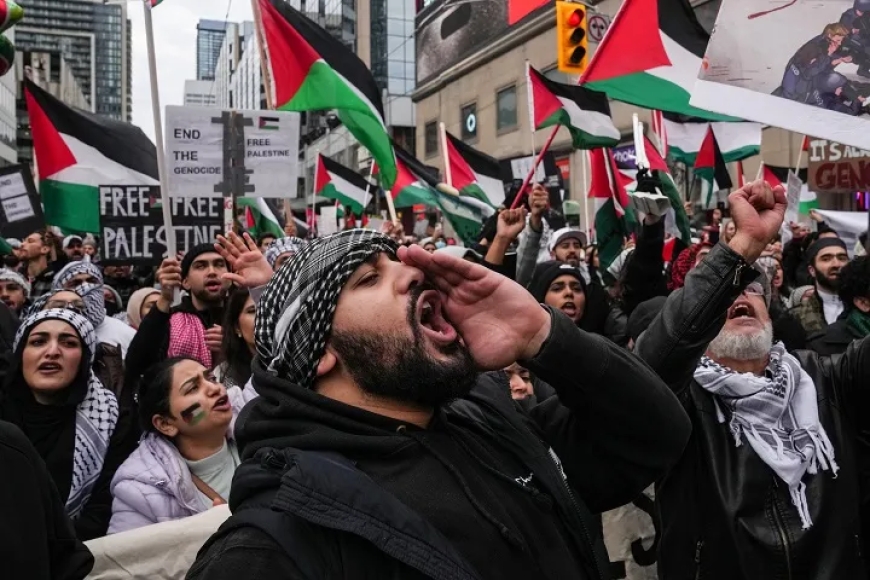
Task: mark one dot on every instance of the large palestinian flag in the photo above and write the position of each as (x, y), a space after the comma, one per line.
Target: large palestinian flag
(737, 141)
(650, 57)
(473, 173)
(614, 219)
(311, 70)
(585, 113)
(77, 152)
(335, 181)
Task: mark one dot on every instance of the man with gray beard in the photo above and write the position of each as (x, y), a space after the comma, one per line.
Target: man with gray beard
(769, 485)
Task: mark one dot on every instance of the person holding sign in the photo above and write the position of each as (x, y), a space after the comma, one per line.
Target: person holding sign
(191, 329)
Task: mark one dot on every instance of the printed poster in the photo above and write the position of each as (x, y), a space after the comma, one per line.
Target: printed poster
(803, 65)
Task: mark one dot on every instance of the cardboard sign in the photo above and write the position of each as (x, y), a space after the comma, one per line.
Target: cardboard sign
(20, 210)
(837, 168)
(132, 230)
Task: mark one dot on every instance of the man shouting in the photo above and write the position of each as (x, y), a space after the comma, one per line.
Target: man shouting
(377, 450)
(768, 486)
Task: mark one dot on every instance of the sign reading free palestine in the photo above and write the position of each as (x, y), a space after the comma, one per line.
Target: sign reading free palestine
(267, 143)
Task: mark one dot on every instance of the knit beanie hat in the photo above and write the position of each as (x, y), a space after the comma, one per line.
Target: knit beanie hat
(295, 312)
(546, 272)
(13, 276)
(821, 244)
(194, 253)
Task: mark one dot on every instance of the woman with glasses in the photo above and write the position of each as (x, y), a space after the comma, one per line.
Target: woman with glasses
(185, 462)
(74, 423)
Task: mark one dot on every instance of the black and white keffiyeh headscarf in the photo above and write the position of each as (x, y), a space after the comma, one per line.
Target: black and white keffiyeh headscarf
(778, 415)
(72, 270)
(95, 302)
(282, 246)
(294, 314)
(13, 276)
(96, 415)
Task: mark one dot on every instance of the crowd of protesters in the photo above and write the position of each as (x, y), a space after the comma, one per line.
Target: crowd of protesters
(381, 405)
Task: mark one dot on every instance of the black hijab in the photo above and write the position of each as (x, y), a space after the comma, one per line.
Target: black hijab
(51, 428)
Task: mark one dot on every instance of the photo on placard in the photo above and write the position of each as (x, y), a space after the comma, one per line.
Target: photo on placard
(802, 65)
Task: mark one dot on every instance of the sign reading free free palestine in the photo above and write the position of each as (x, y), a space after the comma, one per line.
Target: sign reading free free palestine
(195, 152)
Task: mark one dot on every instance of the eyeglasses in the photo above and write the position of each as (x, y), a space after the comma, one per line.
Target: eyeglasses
(754, 289)
(76, 305)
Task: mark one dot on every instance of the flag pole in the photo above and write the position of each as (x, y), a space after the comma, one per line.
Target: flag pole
(760, 170)
(531, 174)
(584, 169)
(158, 133)
(800, 156)
(741, 180)
(448, 174)
(531, 105)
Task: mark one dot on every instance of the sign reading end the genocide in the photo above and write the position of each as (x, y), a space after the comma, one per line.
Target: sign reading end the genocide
(20, 210)
(131, 223)
(204, 146)
(837, 168)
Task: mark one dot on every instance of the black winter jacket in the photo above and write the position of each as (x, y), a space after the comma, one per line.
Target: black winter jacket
(724, 513)
(614, 426)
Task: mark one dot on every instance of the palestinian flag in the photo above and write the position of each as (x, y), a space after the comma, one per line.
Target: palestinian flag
(585, 113)
(311, 70)
(335, 181)
(77, 152)
(676, 220)
(614, 219)
(710, 166)
(737, 141)
(155, 3)
(779, 176)
(259, 217)
(420, 183)
(657, 124)
(650, 57)
(473, 173)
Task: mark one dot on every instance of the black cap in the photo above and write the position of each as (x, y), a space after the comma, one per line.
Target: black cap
(546, 272)
(192, 255)
(821, 244)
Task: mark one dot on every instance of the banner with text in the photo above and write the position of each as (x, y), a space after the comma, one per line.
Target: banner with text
(837, 168)
(20, 210)
(204, 146)
(131, 223)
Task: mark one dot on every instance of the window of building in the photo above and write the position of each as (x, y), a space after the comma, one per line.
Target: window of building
(468, 122)
(431, 138)
(506, 109)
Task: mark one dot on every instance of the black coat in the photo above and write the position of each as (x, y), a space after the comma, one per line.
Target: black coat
(37, 539)
(615, 427)
(835, 340)
(724, 513)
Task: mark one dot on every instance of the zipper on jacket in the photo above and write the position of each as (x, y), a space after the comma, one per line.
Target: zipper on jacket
(780, 528)
(737, 272)
(698, 548)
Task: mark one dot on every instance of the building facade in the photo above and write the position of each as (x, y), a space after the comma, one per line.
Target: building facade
(199, 94)
(95, 38)
(477, 88)
(238, 82)
(209, 38)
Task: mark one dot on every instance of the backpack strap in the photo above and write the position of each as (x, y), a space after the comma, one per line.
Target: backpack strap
(280, 528)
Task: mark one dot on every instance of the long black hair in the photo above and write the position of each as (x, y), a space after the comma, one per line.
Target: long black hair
(237, 355)
(155, 387)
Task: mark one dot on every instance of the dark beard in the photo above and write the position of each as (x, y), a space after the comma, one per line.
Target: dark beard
(205, 297)
(396, 368)
(829, 284)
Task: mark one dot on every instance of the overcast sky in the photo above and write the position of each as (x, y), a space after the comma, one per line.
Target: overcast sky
(175, 45)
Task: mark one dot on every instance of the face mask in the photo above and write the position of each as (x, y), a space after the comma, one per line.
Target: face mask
(440, 244)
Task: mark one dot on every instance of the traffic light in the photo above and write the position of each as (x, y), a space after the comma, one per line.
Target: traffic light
(10, 15)
(572, 42)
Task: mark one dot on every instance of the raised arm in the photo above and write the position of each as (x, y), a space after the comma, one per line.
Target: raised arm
(694, 315)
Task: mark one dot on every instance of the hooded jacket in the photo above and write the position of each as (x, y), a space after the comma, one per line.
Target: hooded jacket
(358, 495)
(154, 484)
(724, 513)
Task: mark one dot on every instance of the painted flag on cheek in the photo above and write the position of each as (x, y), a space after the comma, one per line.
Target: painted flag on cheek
(193, 414)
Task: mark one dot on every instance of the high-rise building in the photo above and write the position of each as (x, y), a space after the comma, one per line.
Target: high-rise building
(209, 38)
(199, 93)
(238, 76)
(95, 38)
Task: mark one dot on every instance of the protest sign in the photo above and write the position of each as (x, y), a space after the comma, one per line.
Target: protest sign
(793, 196)
(199, 144)
(131, 224)
(837, 168)
(792, 65)
(20, 210)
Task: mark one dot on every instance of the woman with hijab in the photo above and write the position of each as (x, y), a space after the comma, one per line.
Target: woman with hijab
(52, 395)
(185, 462)
(140, 304)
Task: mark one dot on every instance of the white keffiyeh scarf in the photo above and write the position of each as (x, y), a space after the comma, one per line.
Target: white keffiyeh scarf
(778, 415)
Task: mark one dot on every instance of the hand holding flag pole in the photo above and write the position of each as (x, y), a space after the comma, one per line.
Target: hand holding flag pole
(531, 175)
(647, 196)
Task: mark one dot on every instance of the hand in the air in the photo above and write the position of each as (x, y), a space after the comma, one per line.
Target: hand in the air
(511, 223)
(249, 267)
(213, 338)
(499, 321)
(758, 213)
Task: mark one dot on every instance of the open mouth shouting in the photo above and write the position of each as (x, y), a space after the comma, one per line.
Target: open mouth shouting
(570, 309)
(430, 319)
(49, 368)
(213, 286)
(222, 404)
(742, 312)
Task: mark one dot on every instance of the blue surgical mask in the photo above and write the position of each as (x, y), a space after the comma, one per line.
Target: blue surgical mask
(439, 244)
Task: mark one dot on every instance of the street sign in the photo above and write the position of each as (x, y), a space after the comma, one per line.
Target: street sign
(597, 27)
(211, 153)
